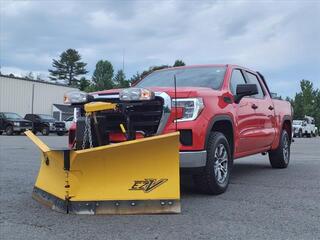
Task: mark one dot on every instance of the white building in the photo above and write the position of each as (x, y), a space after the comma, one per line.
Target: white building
(24, 96)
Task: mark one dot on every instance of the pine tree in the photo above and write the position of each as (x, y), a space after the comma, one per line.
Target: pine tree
(68, 67)
(135, 78)
(84, 84)
(120, 80)
(178, 63)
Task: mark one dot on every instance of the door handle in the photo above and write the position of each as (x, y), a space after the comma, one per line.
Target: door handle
(253, 106)
(270, 108)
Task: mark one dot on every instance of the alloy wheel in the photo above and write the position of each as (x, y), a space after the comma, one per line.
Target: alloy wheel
(220, 163)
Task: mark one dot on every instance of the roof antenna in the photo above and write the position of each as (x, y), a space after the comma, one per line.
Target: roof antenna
(175, 101)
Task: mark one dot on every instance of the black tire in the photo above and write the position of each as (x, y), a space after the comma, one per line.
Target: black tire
(0, 132)
(45, 131)
(208, 181)
(9, 130)
(60, 133)
(280, 157)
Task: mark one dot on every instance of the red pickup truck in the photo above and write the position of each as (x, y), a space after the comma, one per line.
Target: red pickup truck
(223, 112)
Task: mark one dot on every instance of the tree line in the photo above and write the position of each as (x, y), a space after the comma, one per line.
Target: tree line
(306, 102)
(70, 68)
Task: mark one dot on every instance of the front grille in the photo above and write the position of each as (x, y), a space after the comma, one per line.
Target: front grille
(144, 116)
(25, 124)
(59, 125)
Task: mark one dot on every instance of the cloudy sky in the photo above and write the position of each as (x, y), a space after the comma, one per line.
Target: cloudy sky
(281, 39)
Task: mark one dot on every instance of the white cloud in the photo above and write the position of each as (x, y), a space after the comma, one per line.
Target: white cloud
(274, 37)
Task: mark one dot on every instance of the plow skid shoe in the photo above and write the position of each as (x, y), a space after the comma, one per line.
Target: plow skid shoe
(133, 177)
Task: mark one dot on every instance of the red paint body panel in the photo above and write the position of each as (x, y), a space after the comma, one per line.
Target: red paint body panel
(255, 130)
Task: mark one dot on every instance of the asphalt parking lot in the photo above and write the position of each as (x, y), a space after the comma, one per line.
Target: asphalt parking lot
(261, 203)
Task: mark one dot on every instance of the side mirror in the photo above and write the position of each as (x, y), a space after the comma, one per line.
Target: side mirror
(245, 90)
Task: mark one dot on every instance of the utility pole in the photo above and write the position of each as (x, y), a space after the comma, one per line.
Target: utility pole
(32, 99)
(123, 60)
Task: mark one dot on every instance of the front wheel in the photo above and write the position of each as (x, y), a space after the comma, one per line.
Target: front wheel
(45, 131)
(279, 158)
(215, 177)
(60, 133)
(9, 130)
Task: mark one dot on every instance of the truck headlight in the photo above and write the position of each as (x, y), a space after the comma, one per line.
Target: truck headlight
(16, 124)
(136, 94)
(75, 97)
(191, 108)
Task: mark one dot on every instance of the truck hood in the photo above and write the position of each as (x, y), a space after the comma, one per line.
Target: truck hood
(182, 92)
(18, 120)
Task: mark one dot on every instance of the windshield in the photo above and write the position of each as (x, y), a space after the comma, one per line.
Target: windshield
(46, 117)
(297, 122)
(12, 115)
(211, 77)
(69, 119)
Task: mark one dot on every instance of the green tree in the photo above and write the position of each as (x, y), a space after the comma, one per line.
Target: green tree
(152, 69)
(179, 63)
(120, 80)
(307, 102)
(102, 75)
(68, 67)
(84, 84)
(135, 78)
(298, 106)
(30, 75)
(308, 96)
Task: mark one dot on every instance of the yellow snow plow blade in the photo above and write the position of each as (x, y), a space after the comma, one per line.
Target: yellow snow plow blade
(132, 177)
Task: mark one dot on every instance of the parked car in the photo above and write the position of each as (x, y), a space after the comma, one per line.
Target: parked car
(223, 112)
(310, 129)
(68, 122)
(46, 124)
(305, 127)
(298, 128)
(13, 123)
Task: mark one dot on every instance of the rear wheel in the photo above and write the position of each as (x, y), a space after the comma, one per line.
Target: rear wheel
(279, 158)
(0, 132)
(60, 133)
(9, 130)
(215, 177)
(45, 131)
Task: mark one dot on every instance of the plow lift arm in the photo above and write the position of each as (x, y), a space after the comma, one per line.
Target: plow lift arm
(132, 177)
